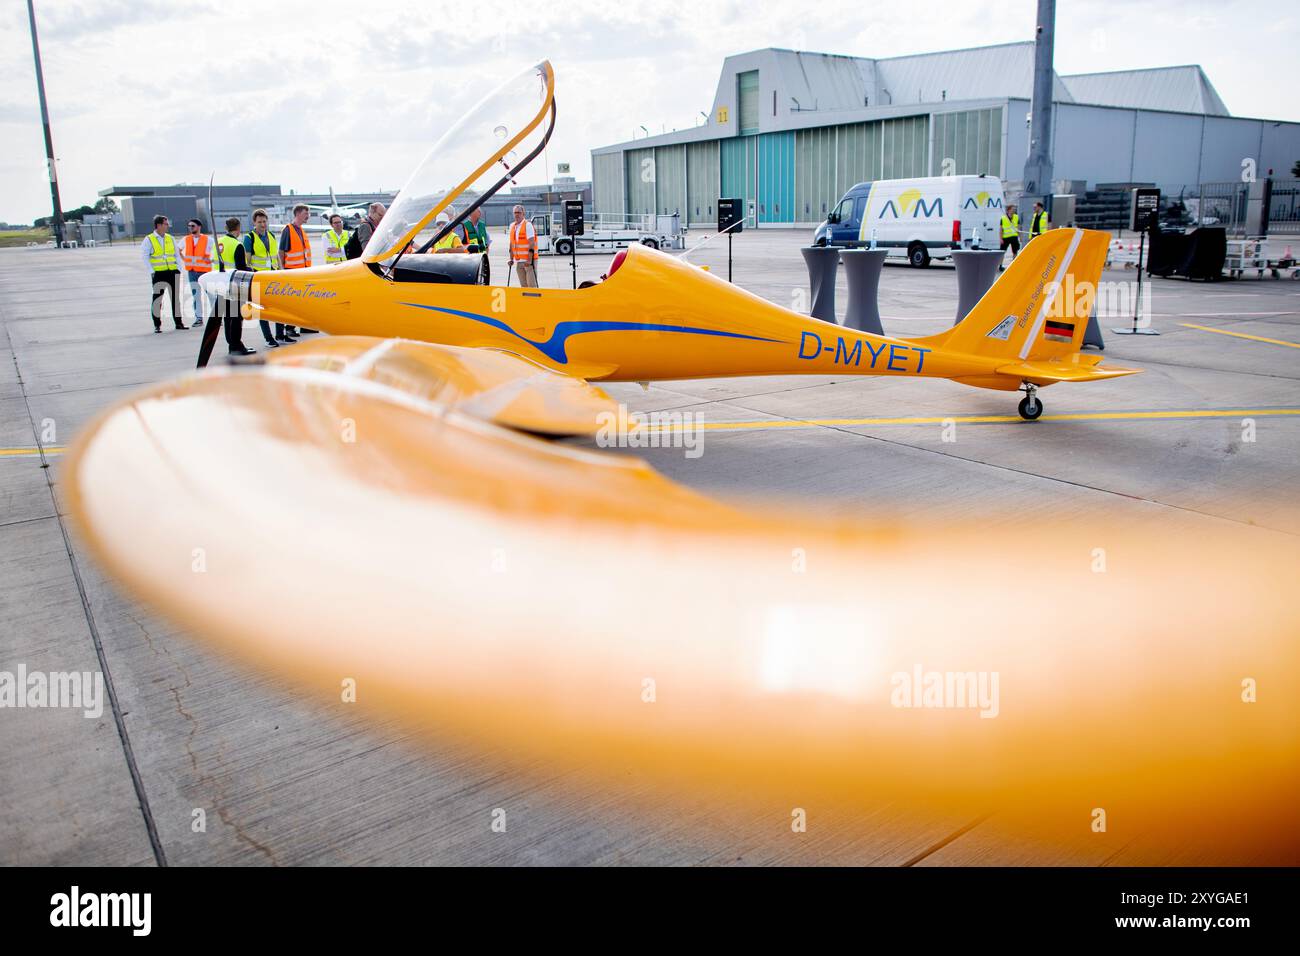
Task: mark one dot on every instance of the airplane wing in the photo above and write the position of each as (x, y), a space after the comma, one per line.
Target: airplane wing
(531, 597)
(492, 385)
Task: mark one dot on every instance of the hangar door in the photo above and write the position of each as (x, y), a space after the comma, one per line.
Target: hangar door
(739, 171)
(776, 177)
(702, 184)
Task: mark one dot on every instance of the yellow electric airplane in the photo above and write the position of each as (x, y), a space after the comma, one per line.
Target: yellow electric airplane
(657, 317)
(575, 609)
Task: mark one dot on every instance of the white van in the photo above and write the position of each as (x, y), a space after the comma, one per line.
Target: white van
(920, 219)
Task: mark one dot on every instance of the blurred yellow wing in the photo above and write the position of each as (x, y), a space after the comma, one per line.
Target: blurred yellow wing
(490, 384)
(555, 601)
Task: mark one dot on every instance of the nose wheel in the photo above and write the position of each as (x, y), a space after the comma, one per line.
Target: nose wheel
(1030, 407)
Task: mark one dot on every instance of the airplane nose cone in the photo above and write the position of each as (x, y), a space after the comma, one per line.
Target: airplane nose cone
(215, 284)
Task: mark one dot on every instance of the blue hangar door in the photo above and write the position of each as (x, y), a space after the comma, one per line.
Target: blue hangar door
(739, 159)
(776, 178)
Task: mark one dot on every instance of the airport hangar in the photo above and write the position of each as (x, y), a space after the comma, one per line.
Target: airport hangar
(183, 201)
(791, 131)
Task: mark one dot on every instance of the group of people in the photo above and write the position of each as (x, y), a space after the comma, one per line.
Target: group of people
(471, 235)
(1038, 224)
(171, 263)
(174, 265)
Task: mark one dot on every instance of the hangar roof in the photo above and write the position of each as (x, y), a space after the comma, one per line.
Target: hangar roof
(1179, 89)
(824, 82)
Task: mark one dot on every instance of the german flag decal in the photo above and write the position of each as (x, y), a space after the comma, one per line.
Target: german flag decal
(1058, 331)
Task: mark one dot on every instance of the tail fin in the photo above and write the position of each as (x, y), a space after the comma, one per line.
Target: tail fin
(1035, 316)
(1038, 309)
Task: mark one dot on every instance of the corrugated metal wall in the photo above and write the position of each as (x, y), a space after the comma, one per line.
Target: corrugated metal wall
(1091, 143)
(703, 185)
(971, 139)
(776, 177)
(640, 177)
(857, 155)
(814, 174)
(607, 184)
(670, 179)
(738, 157)
(904, 144)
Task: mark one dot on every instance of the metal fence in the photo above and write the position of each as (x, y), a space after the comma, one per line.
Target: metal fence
(1228, 205)
(1223, 204)
(1284, 207)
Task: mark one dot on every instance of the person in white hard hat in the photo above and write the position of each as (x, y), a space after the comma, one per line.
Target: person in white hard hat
(450, 242)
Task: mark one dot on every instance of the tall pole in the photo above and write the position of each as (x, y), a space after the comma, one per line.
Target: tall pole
(45, 122)
(1038, 165)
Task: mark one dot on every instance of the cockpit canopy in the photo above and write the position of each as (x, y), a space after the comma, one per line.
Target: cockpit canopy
(480, 155)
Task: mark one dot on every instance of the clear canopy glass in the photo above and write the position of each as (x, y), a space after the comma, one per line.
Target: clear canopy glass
(479, 155)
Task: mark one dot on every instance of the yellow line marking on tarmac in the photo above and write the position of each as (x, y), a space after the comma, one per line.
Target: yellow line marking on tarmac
(977, 419)
(1240, 335)
(30, 452)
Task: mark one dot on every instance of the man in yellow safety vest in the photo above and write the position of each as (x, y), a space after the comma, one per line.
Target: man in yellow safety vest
(336, 237)
(158, 250)
(450, 242)
(1040, 223)
(263, 254)
(1011, 230)
(233, 258)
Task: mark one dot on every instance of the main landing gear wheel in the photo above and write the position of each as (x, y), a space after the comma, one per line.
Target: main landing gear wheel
(1030, 407)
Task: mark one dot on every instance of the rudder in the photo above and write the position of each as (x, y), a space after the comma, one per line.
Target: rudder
(1038, 308)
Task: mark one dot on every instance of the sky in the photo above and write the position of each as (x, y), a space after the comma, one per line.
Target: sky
(351, 95)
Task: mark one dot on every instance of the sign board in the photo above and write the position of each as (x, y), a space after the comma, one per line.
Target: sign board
(1146, 208)
(573, 216)
(731, 215)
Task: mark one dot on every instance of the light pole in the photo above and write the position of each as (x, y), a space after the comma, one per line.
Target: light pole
(1038, 165)
(49, 139)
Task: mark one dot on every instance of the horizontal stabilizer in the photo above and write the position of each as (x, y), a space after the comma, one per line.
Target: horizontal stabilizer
(1069, 368)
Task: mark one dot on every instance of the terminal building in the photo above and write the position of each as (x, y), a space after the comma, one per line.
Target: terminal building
(139, 204)
(791, 131)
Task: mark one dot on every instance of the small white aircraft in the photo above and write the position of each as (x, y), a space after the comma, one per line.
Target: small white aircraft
(352, 213)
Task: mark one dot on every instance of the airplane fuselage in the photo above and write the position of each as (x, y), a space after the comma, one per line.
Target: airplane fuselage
(656, 318)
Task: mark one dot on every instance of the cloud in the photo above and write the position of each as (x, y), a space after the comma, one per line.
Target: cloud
(331, 92)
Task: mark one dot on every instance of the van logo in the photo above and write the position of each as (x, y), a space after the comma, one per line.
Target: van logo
(1003, 329)
(982, 200)
(913, 202)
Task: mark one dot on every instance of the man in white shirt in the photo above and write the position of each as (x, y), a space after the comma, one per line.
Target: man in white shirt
(158, 250)
(523, 249)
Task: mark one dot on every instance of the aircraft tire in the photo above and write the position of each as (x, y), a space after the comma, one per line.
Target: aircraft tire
(1030, 413)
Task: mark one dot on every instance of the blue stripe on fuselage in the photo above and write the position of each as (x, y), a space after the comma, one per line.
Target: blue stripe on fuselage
(553, 348)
